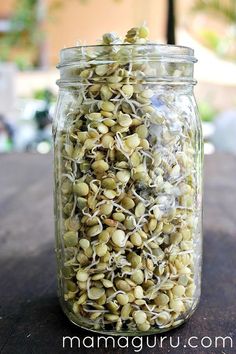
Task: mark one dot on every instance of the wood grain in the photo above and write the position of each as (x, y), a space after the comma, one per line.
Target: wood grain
(31, 320)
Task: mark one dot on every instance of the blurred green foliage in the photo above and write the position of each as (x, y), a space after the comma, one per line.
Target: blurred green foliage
(211, 38)
(45, 95)
(21, 43)
(206, 111)
(24, 24)
(225, 11)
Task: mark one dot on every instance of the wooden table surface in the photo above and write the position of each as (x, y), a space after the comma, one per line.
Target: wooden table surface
(31, 320)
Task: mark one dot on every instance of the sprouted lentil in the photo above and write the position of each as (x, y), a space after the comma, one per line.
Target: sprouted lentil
(127, 183)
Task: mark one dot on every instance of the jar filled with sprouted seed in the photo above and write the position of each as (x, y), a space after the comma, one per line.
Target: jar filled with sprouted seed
(128, 185)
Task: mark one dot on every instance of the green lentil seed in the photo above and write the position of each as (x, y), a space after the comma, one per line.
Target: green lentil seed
(70, 239)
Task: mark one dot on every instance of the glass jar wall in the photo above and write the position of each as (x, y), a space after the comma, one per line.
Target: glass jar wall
(128, 170)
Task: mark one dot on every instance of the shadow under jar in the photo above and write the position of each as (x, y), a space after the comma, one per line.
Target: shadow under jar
(128, 187)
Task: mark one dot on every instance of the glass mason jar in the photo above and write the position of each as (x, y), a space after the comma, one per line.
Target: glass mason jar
(128, 187)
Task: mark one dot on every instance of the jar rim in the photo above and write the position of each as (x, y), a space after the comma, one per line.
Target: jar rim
(69, 55)
(131, 45)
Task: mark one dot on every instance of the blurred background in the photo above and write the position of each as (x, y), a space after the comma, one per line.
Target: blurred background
(33, 31)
